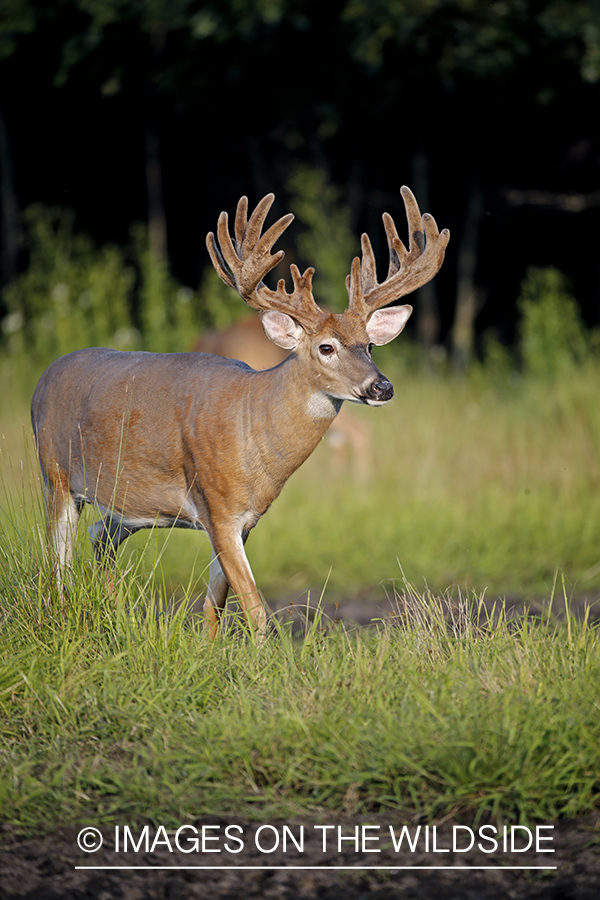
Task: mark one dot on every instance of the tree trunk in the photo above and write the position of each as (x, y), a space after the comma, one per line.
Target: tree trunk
(9, 209)
(157, 218)
(428, 317)
(467, 299)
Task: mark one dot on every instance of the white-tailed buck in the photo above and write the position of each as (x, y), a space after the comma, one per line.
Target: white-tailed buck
(197, 441)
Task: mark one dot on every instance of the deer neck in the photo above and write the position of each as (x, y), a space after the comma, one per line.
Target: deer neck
(300, 410)
(289, 416)
(272, 421)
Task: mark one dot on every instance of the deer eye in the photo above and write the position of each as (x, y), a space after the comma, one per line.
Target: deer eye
(370, 348)
(326, 349)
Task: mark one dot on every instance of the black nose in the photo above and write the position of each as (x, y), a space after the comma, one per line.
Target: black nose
(381, 390)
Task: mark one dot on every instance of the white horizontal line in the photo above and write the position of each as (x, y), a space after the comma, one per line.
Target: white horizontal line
(324, 868)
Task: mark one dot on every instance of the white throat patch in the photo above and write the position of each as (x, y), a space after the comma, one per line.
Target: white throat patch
(321, 406)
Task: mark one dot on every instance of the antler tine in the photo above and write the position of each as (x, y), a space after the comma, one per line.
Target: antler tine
(362, 279)
(241, 221)
(252, 230)
(397, 251)
(238, 266)
(244, 265)
(368, 268)
(408, 269)
(217, 257)
(355, 284)
(302, 288)
(416, 238)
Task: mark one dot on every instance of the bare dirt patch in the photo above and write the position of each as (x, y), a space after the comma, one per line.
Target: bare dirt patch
(385, 607)
(45, 868)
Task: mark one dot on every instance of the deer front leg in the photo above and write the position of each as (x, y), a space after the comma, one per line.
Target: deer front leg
(106, 535)
(216, 596)
(230, 568)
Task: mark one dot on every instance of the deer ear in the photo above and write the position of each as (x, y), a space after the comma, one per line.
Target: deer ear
(386, 324)
(281, 329)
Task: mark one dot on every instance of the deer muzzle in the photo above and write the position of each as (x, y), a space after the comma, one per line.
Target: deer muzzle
(380, 390)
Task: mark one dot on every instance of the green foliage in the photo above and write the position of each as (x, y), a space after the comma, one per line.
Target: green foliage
(220, 306)
(74, 295)
(498, 363)
(17, 18)
(166, 310)
(71, 295)
(459, 36)
(327, 242)
(553, 337)
(484, 40)
(576, 25)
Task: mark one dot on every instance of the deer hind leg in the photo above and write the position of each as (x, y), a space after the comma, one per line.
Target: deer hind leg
(63, 518)
(230, 568)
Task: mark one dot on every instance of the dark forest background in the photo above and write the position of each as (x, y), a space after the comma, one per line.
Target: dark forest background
(164, 113)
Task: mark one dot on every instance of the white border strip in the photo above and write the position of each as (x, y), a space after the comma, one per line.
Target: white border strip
(328, 868)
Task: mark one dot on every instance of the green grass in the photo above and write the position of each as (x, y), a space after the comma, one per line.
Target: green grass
(112, 710)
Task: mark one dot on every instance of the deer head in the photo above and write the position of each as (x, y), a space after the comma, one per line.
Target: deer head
(337, 345)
